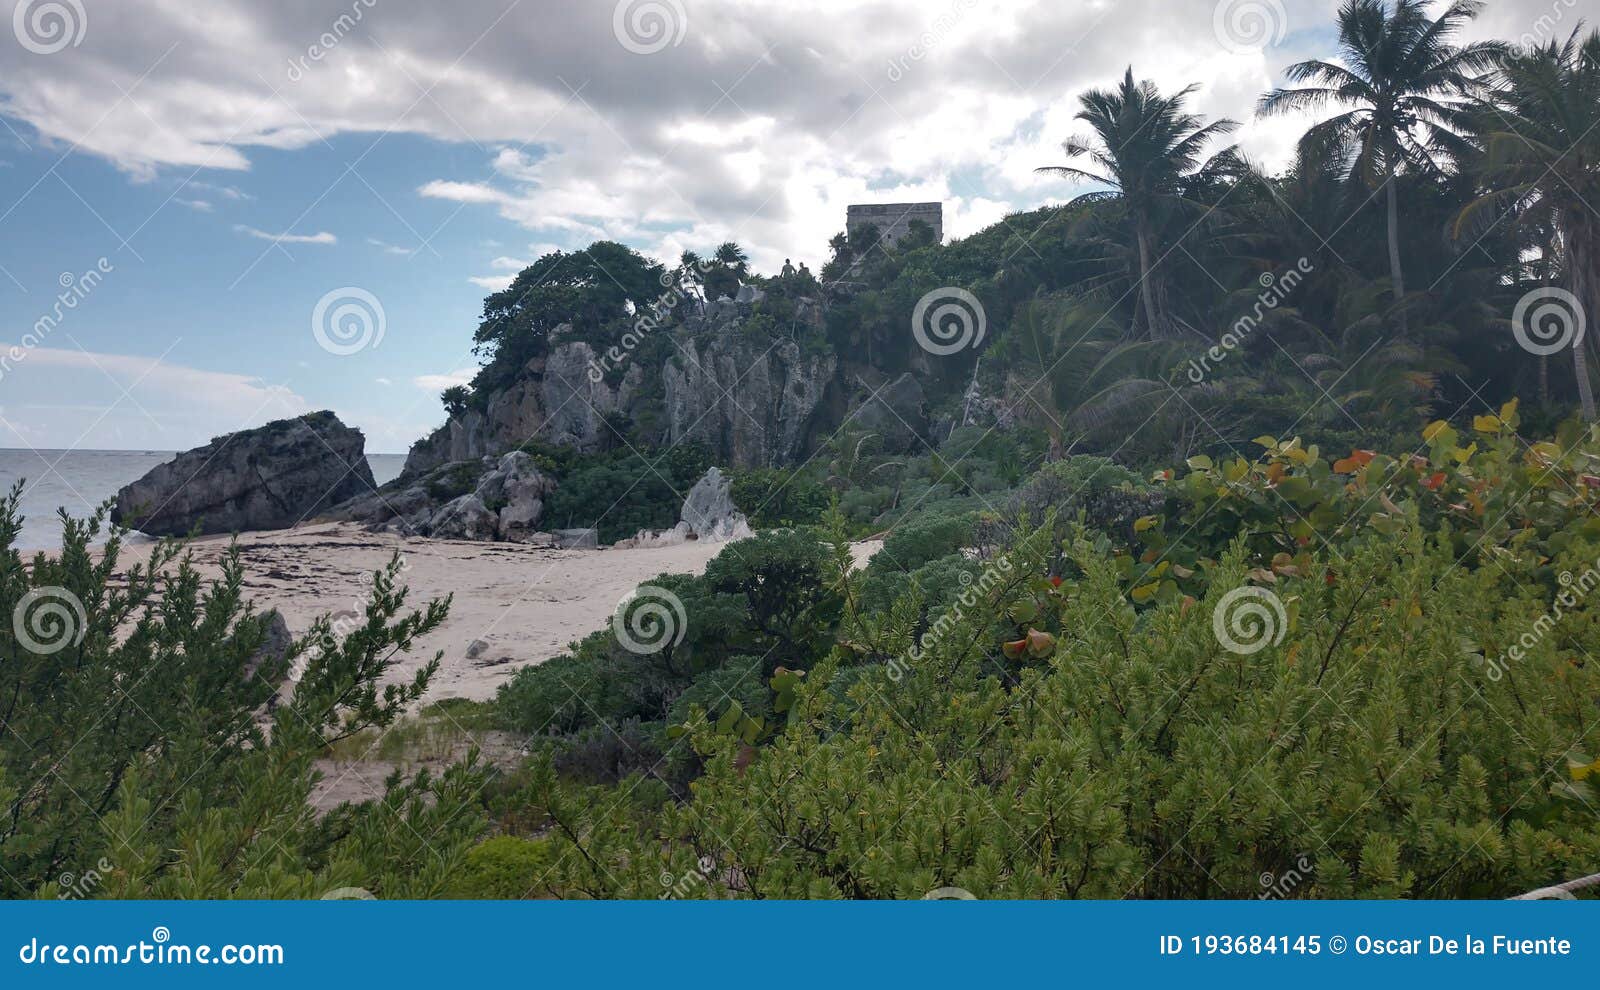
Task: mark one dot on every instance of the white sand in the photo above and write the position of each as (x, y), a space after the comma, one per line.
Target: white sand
(526, 604)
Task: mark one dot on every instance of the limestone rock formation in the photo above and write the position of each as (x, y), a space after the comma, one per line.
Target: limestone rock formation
(708, 514)
(492, 498)
(752, 399)
(272, 477)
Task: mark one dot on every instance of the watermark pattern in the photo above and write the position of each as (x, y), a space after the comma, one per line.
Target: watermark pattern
(648, 323)
(948, 320)
(679, 887)
(49, 620)
(1248, 619)
(1246, 27)
(1574, 589)
(1274, 290)
(74, 290)
(349, 894)
(972, 592)
(1282, 885)
(645, 27)
(649, 619)
(949, 894)
(329, 39)
(1544, 26)
(75, 887)
(1547, 321)
(348, 320)
(45, 27)
(930, 39)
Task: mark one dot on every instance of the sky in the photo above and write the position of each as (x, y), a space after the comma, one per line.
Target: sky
(213, 215)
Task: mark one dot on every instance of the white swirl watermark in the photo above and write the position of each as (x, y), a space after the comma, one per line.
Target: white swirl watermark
(1547, 321)
(948, 320)
(348, 320)
(1248, 620)
(47, 27)
(48, 620)
(649, 619)
(949, 894)
(645, 27)
(1245, 27)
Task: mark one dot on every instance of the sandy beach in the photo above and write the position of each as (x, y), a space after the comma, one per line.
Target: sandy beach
(524, 603)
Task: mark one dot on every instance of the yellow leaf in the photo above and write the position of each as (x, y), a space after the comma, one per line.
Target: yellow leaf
(1145, 593)
(1486, 424)
(1145, 522)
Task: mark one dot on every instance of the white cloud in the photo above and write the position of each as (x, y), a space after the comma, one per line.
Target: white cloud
(494, 283)
(388, 248)
(198, 205)
(168, 406)
(438, 383)
(322, 237)
(461, 192)
(761, 126)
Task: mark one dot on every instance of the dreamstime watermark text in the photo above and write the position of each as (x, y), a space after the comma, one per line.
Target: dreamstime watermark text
(74, 290)
(328, 40)
(1274, 290)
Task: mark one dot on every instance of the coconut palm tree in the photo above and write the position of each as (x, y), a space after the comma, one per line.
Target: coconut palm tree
(1150, 150)
(1399, 85)
(1541, 165)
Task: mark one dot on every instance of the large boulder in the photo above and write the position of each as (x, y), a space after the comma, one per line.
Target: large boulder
(272, 477)
(517, 488)
(464, 518)
(709, 513)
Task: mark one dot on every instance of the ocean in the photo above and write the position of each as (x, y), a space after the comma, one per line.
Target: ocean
(80, 480)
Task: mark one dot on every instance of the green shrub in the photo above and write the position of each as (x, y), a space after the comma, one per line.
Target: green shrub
(140, 737)
(502, 868)
(772, 497)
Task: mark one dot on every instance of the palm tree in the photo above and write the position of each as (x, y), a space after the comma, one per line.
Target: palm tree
(1399, 84)
(1149, 149)
(1541, 164)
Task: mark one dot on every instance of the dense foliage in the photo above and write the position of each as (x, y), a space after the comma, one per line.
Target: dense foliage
(1422, 723)
(144, 751)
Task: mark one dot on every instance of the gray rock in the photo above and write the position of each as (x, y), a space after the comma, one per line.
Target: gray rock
(708, 510)
(519, 487)
(275, 645)
(272, 477)
(476, 649)
(577, 539)
(464, 518)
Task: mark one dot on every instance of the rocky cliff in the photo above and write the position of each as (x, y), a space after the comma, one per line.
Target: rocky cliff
(751, 397)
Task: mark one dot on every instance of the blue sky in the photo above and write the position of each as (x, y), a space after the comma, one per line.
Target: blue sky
(191, 284)
(238, 161)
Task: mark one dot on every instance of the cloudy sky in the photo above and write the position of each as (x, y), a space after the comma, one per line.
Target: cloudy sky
(232, 211)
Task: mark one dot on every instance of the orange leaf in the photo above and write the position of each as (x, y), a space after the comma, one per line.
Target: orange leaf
(1014, 650)
(1433, 481)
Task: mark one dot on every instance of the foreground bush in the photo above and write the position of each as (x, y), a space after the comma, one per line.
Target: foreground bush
(1411, 711)
(138, 757)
